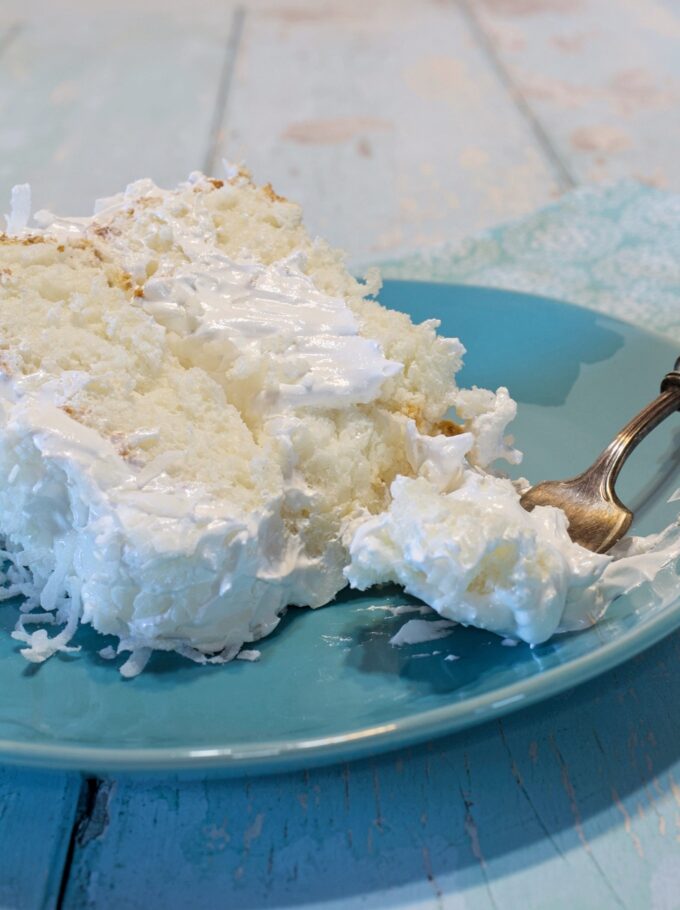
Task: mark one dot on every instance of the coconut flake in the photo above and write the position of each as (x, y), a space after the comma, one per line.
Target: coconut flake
(135, 663)
(400, 610)
(54, 586)
(246, 654)
(28, 618)
(198, 657)
(59, 599)
(20, 209)
(417, 631)
(230, 170)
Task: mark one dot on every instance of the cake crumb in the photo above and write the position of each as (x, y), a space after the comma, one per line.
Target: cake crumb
(249, 655)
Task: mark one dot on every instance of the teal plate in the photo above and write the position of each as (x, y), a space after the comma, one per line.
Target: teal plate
(329, 686)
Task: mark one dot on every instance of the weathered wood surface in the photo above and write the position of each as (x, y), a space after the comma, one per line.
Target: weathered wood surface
(572, 804)
(602, 78)
(397, 125)
(94, 95)
(37, 813)
(385, 120)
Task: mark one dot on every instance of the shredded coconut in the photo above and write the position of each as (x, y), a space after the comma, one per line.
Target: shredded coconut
(402, 609)
(59, 597)
(417, 631)
(20, 209)
(135, 663)
(247, 654)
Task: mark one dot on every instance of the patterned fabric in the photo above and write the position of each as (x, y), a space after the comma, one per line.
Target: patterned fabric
(615, 249)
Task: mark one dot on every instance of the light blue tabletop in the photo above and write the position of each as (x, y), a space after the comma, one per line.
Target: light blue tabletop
(574, 803)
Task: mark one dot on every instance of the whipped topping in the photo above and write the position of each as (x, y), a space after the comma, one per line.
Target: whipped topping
(255, 317)
(156, 567)
(457, 538)
(273, 319)
(170, 567)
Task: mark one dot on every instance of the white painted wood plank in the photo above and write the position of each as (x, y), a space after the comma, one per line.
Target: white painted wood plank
(569, 804)
(602, 77)
(95, 95)
(36, 816)
(384, 120)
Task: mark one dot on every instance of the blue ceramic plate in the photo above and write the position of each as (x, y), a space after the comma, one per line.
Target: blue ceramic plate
(329, 685)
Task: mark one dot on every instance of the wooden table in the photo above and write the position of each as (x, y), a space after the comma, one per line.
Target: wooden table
(398, 125)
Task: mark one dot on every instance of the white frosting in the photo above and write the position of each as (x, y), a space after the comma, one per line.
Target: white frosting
(157, 568)
(178, 569)
(271, 319)
(458, 538)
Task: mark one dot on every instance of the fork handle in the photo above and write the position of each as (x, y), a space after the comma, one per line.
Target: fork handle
(612, 459)
(672, 379)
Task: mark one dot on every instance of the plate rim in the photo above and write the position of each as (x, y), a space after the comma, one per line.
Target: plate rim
(275, 756)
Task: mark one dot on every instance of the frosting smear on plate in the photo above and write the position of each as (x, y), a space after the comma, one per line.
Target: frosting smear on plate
(205, 418)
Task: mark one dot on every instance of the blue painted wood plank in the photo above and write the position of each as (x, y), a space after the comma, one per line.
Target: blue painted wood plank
(575, 803)
(37, 812)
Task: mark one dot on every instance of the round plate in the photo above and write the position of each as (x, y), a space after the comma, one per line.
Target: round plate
(329, 686)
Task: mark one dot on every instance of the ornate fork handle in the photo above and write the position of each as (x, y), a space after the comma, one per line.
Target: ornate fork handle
(597, 517)
(609, 463)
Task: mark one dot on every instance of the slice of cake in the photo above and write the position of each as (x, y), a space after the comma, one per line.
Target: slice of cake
(206, 418)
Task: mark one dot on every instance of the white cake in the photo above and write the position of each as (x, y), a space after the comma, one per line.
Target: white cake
(205, 419)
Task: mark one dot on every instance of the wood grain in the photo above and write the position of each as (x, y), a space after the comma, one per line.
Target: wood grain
(571, 804)
(94, 96)
(384, 120)
(37, 812)
(602, 79)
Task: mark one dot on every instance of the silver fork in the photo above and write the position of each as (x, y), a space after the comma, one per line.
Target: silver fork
(597, 517)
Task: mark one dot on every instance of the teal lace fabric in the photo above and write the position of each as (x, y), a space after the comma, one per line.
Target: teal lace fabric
(615, 249)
